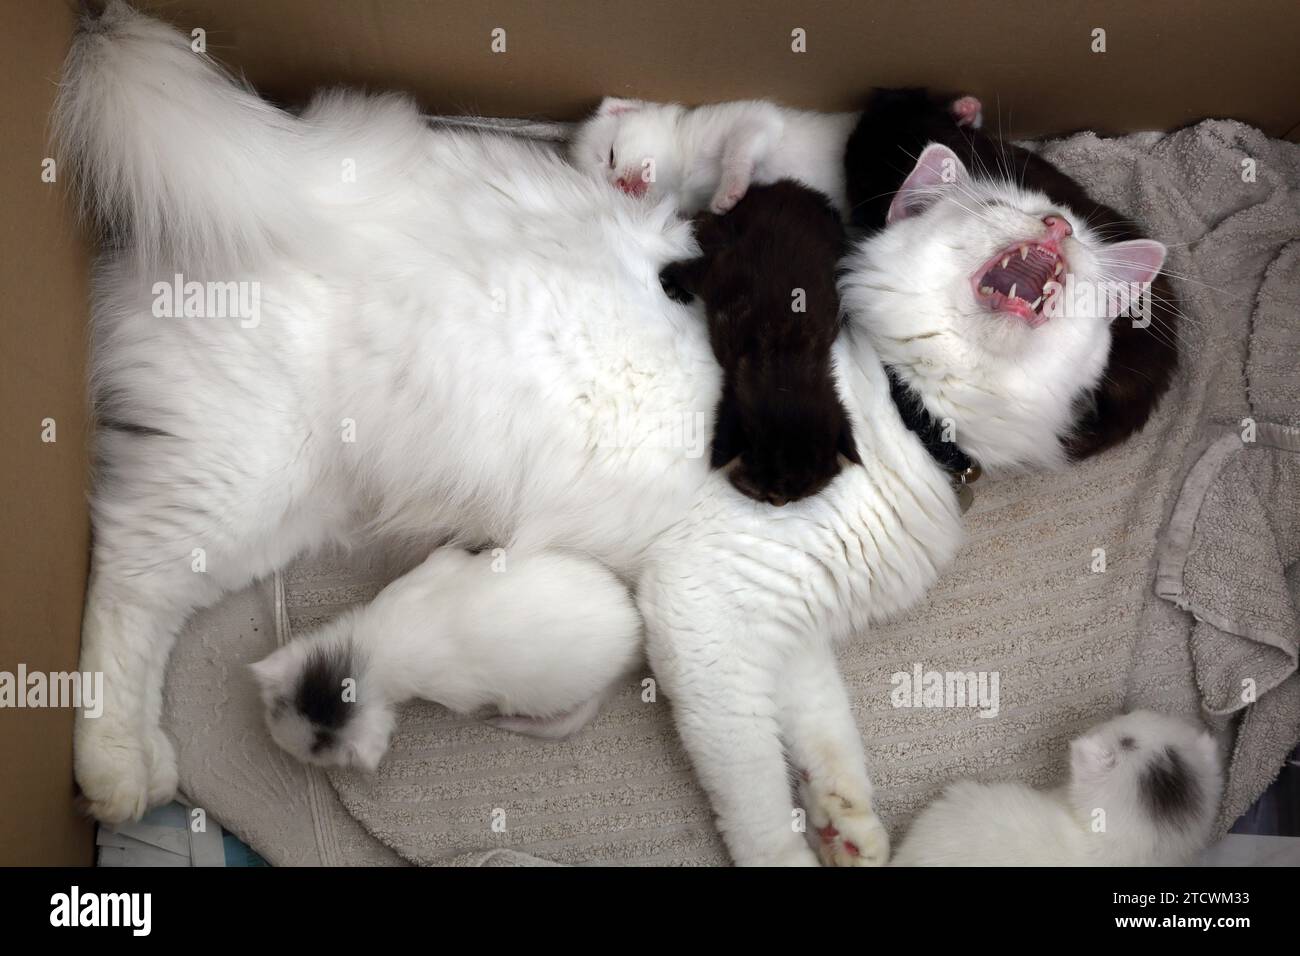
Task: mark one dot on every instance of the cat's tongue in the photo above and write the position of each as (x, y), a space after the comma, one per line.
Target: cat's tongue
(1017, 280)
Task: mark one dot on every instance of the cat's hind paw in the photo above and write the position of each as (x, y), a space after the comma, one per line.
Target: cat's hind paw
(846, 829)
(853, 839)
(556, 727)
(113, 772)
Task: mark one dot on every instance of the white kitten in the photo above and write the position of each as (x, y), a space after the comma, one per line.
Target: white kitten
(1143, 791)
(710, 155)
(538, 635)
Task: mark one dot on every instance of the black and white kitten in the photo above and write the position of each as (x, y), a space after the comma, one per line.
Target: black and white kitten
(766, 273)
(1143, 790)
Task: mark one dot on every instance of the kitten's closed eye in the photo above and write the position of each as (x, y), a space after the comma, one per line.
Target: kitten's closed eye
(611, 157)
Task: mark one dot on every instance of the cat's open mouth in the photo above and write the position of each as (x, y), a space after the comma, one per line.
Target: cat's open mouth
(1018, 278)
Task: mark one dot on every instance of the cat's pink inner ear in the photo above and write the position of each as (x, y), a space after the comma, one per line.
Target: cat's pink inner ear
(1137, 261)
(269, 673)
(937, 168)
(613, 106)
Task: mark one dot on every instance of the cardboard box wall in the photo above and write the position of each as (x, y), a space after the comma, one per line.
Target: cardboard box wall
(1035, 63)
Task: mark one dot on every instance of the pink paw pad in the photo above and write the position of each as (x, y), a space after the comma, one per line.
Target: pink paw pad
(968, 111)
(829, 835)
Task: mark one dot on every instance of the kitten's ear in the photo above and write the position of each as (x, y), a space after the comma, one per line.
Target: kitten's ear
(937, 168)
(728, 433)
(1135, 262)
(846, 445)
(272, 674)
(742, 482)
(1090, 756)
(681, 280)
(613, 106)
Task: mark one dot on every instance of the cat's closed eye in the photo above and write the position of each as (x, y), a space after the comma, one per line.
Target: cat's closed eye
(611, 157)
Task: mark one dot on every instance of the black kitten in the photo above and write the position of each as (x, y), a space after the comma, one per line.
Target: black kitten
(894, 129)
(766, 274)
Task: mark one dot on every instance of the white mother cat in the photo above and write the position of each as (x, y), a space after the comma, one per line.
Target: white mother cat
(468, 339)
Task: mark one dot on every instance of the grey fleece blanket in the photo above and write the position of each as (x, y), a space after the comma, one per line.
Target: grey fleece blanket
(1195, 611)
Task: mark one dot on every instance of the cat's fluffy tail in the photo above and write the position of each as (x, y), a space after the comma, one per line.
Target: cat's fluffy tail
(181, 165)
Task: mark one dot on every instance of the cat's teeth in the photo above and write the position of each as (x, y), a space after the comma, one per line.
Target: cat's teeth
(1037, 303)
(986, 290)
(1024, 253)
(1012, 293)
(1005, 260)
(1060, 267)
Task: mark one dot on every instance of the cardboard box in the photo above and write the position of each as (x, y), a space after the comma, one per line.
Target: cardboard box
(1041, 67)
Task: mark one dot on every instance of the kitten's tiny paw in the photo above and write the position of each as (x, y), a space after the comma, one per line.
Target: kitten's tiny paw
(726, 200)
(968, 111)
(555, 727)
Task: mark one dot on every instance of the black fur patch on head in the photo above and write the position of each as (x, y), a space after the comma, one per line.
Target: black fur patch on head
(320, 687)
(895, 127)
(1169, 791)
(1127, 743)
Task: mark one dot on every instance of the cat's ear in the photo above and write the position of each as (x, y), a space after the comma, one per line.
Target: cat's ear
(728, 432)
(1135, 262)
(273, 674)
(1090, 756)
(846, 446)
(613, 106)
(681, 280)
(937, 168)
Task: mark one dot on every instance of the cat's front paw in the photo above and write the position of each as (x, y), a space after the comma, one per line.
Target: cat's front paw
(670, 278)
(846, 828)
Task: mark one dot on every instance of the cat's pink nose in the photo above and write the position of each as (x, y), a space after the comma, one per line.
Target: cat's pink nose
(1058, 227)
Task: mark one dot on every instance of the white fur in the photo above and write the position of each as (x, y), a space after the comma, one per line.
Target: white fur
(710, 155)
(1099, 818)
(485, 318)
(538, 635)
